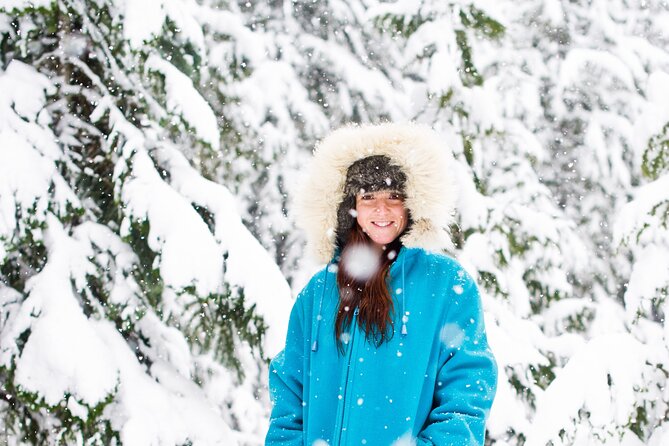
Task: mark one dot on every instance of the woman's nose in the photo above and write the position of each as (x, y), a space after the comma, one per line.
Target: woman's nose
(382, 206)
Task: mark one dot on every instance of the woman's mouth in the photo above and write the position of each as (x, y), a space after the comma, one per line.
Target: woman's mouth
(382, 224)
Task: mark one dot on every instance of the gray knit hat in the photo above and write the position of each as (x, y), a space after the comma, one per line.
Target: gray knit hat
(370, 174)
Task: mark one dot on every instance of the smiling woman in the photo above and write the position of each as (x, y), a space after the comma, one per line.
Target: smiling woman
(369, 243)
(386, 345)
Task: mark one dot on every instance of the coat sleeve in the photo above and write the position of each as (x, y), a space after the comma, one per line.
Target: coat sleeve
(285, 384)
(466, 377)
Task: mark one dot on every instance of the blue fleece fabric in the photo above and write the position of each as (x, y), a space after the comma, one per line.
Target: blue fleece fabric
(432, 386)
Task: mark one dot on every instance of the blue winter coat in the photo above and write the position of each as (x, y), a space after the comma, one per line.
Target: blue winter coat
(433, 385)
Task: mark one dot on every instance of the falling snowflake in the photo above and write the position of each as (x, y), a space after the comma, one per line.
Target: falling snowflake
(452, 335)
(361, 262)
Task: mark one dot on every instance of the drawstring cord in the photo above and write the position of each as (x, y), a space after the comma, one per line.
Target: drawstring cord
(314, 345)
(405, 316)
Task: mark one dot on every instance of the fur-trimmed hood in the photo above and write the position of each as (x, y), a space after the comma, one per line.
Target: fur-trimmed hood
(416, 149)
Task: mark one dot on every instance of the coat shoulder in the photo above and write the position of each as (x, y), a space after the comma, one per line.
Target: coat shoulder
(444, 276)
(442, 264)
(326, 276)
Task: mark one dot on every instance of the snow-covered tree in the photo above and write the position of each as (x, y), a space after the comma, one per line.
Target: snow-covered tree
(136, 307)
(600, 57)
(642, 234)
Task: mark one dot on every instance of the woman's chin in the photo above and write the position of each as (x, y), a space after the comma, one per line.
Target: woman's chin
(382, 239)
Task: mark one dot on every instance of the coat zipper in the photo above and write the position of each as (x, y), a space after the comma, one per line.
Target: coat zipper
(342, 412)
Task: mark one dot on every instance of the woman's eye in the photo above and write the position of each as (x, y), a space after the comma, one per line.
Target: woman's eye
(367, 197)
(395, 196)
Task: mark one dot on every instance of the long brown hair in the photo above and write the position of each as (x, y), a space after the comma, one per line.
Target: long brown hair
(371, 297)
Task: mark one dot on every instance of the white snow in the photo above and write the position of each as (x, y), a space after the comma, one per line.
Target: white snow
(27, 152)
(63, 353)
(582, 383)
(405, 440)
(167, 410)
(183, 99)
(144, 20)
(578, 58)
(248, 264)
(442, 72)
(649, 276)
(188, 28)
(25, 178)
(20, 4)
(636, 214)
(189, 253)
(68, 352)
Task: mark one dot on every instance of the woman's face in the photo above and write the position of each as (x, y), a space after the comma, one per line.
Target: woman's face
(381, 215)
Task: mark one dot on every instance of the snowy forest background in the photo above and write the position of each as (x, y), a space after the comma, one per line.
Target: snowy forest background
(148, 154)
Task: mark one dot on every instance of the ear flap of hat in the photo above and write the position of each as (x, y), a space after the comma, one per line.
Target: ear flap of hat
(345, 220)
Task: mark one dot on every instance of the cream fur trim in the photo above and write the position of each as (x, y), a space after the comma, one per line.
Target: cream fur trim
(416, 149)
